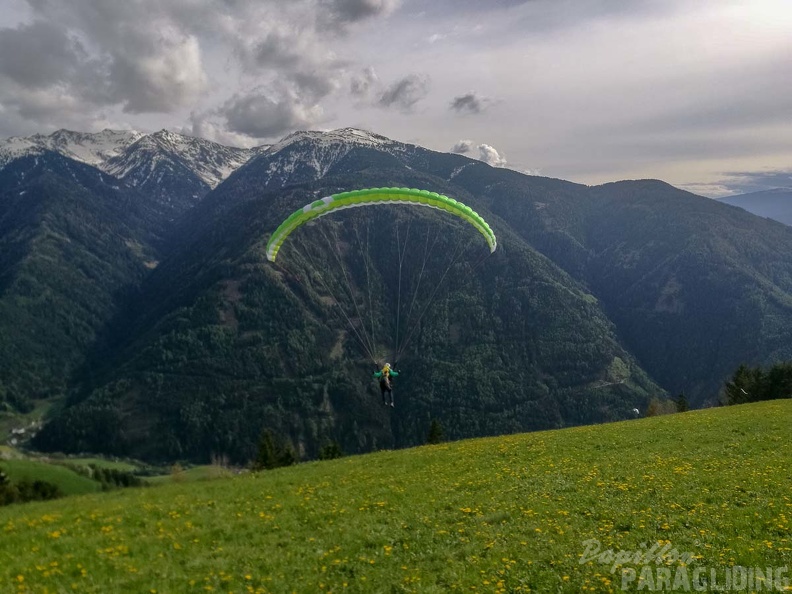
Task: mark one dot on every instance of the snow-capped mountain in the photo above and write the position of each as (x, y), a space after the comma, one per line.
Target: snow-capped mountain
(304, 156)
(132, 155)
(332, 139)
(209, 161)
(93, 149)
(173, 171)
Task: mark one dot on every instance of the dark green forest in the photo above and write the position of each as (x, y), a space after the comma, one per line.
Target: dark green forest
(508, 345)
(754, 384)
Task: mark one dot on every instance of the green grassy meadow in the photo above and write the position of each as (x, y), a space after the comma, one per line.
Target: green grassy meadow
(68, 481)
(196, 473)
(506, 514)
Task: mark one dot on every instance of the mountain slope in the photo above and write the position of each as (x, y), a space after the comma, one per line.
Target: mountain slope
(71, 243)
(208, 161)
(773, 204)
(235, 344)
(695, 287)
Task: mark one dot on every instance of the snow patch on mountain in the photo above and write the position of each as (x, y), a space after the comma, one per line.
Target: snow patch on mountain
(121, 152)
(310, 154)
(343, 136)
(93, 149)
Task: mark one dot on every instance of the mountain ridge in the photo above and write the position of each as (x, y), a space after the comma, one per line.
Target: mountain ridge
(112, 150)
(773, 204)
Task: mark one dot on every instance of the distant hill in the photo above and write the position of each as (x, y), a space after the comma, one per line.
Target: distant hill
(772, 204)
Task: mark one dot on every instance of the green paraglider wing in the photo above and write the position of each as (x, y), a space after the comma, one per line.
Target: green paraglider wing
(373, 196)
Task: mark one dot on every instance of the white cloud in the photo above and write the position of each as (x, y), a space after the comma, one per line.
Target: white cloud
(463, 147)
(212, 127)
(491, 156)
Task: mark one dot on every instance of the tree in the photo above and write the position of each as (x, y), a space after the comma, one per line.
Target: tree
(778, 382)
(266, 457)
(660, 407)
(330, 451)
(435, 432)
(753, 384)
(273, 452)
(286, 454)
(682, 403)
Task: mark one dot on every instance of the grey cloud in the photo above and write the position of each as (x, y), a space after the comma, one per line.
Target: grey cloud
(315, 85)
(286, 47)
(341, 12)
(405, 93)
(361, 85)
(147, 56)
(277, 49)
(50, 109)
(744, 182)
(38, 54)
(444, 7)
(402, 94)
(266, 115)
(11, 124)
(462, 147)
(149, 61)
(469, 103)
(48, 78)
(487, 153)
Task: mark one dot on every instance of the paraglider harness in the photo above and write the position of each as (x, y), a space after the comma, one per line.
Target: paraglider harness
(385, 384)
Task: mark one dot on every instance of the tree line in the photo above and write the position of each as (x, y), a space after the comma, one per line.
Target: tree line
(754, 384)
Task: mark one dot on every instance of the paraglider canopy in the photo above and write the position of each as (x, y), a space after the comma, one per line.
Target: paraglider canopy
(371, 197)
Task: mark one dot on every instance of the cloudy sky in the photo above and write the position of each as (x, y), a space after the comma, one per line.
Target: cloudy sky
(695, 92)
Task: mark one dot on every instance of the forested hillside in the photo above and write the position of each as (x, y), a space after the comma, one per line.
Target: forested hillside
(235, 343)
(71, 244)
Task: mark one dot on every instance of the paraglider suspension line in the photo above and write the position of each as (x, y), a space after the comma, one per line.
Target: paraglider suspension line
(458, 251)
(336, 302)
